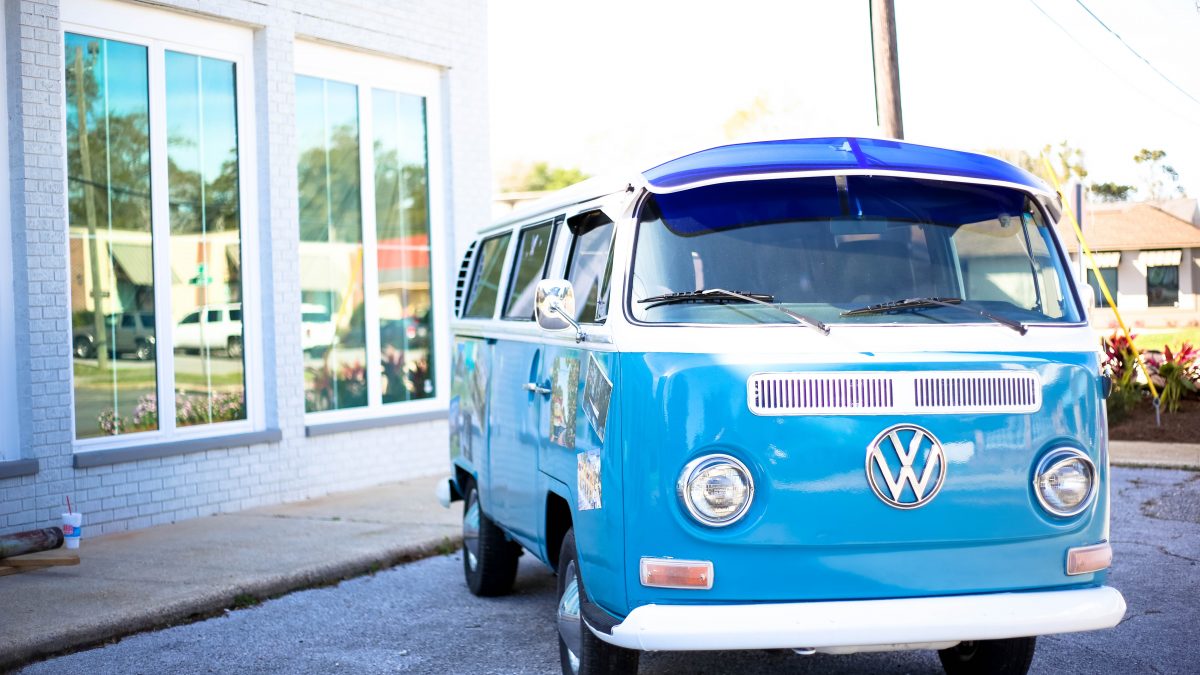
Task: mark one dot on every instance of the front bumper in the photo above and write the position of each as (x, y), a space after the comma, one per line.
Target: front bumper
(854, 623)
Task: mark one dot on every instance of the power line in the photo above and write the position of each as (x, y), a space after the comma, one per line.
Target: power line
(1135, 52)
(1119, 75)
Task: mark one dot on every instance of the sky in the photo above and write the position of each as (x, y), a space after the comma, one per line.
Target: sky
(619, 85)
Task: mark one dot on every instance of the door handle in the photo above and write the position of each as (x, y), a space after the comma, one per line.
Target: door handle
(533, 388)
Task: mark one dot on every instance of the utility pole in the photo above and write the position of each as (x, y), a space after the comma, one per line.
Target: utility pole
(89, 188)
(887, 67)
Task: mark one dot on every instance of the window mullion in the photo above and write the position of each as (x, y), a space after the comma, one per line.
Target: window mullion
(370, 266)
(160, 228)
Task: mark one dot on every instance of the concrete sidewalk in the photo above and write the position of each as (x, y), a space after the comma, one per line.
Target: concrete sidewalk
(1155, 455)
(146, 579)
(135, 581)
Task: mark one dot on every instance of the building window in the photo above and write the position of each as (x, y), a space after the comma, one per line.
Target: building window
(1109, 274)
(368, 282)
(156, 209)
(1162, 286)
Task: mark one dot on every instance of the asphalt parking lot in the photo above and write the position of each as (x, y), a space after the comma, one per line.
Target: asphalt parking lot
(419, 618)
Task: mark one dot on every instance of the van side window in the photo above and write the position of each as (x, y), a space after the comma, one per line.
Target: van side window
(532, 248)
(588, 269)
(481, 299)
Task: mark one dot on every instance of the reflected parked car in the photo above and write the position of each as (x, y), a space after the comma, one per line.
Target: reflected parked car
(317, 329)
(127, 332)
(216, 327)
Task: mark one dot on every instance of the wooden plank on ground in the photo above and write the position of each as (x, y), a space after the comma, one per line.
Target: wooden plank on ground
(4, 571)
(42, 559)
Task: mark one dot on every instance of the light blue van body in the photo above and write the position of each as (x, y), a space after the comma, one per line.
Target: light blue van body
(593, 435)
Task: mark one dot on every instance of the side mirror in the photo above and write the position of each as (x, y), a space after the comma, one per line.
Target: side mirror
(1087, 295)
(554, 306)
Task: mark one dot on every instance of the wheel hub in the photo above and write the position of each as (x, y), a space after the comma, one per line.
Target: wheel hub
(570, 628)
(471, 530)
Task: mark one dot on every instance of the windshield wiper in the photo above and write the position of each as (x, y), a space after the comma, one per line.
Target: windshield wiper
(925, 303)
(720, 295)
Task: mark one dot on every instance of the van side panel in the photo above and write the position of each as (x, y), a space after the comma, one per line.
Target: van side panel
(470, 385)
(815, 529)
(514, 412)
(588, 462)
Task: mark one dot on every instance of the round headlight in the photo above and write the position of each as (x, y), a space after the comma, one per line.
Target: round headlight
(1065, 482)
(716, 489)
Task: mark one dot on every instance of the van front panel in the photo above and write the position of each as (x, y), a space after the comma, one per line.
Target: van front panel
(816, 529)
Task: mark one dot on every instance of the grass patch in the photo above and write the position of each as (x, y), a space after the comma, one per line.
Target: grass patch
(245, 600)
(1173, 338)
(142, 375)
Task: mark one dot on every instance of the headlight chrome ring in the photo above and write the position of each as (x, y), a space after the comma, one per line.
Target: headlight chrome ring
(1055, 467)
(727, 489)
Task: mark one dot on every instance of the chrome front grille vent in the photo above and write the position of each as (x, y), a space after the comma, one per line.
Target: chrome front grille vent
(978, 392)
(894, 393)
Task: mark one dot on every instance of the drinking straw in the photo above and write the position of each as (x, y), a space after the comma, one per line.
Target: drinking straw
(69, 504)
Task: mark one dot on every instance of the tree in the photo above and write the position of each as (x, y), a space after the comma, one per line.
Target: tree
(1111, 192)
(1066, 162)
(1162, 181)
(541, 177)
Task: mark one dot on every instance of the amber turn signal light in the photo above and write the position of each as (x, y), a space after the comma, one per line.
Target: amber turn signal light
(671, 573)
(1089, 558)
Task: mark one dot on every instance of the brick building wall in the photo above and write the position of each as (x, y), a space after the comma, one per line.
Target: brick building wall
(119, 495)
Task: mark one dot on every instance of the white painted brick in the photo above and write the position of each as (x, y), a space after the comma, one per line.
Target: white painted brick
(447, 33)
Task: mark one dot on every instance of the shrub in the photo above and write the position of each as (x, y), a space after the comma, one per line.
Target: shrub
(1177, 373)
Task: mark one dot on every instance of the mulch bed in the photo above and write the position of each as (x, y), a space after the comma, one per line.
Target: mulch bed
(1178, 427)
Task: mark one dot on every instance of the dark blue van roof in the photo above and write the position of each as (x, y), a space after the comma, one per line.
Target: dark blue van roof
(831, 154)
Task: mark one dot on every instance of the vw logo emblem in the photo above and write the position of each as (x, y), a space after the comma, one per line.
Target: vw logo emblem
(895, 458)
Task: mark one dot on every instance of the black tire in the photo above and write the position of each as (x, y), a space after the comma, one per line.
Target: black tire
(144, 351)
(84, 348)
(989, 657)
(489, 558)
(233, 348)
(594, 656)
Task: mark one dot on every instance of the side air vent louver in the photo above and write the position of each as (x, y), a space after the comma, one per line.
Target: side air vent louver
(460, 284)
(893, 393)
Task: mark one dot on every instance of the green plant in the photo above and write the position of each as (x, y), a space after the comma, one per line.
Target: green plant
(1177, 371)
(1120, 365)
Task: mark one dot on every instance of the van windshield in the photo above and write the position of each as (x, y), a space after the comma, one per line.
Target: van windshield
(827, 246)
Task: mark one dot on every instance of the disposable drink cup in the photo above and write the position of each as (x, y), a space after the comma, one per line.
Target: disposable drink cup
(72, 527)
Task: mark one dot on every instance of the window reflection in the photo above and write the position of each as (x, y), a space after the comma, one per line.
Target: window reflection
(206, 289)
(331, 252)
(402, 223)
(112, 270)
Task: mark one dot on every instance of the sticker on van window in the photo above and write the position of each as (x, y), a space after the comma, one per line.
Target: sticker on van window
(597, 390)
(564, 379)
(588, 489)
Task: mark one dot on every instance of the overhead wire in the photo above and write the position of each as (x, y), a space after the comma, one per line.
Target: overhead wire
(1119, 75)
(1135, 52)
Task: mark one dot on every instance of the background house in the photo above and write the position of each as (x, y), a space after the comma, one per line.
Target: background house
(1149, 256)
(230, 228)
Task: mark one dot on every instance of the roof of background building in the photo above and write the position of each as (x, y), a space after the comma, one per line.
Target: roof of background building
(1131, 227)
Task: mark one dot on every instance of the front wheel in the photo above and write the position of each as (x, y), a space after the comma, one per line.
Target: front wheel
(579, 650)
(989, 657)
(233, 348)
(489, 558)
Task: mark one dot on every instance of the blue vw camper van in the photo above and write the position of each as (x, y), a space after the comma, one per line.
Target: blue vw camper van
(832, 395)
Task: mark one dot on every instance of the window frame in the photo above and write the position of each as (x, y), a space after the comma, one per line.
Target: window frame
(477, 269)
(367, 72)
(10, 445)
(107, 19)
(554, 224)
(605, 276)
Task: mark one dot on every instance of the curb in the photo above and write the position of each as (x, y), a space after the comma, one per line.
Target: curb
(218, 601)
(1128, 463)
